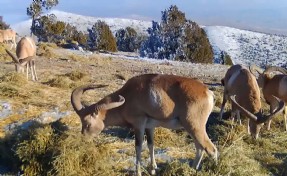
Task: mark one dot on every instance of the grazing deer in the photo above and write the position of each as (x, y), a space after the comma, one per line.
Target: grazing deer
(148, 101)
(26, 54)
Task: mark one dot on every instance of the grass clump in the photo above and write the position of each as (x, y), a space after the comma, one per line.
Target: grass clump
(76, 75)
(3, 55)
(37, 152)
(9, 91)
(60, 82)
(45, 50)
(52, 150)
(79, 156)
(68, 80)
(177, 168)
(14, 78)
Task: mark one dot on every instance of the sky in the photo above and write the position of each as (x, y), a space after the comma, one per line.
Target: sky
(259, 15)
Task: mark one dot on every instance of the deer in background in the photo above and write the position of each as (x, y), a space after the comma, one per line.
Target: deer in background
(26, 54)
(8, 35)
(272, 85)
(240, 86)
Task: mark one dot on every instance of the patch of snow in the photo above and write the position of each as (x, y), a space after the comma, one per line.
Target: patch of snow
(46, 117)
(247, 47)
(5, 109)
(82, 23)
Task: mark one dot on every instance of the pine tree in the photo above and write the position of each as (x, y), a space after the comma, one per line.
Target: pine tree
(127, 39)
(177, 38)
(153, 45)
(36, 9)
(3, 25)
(101, 37)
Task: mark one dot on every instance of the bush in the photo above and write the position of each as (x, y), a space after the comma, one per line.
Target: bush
(176, 38)
(101, 37)
(3, 25)
(48, 29)
(225, 58)
(127, 39)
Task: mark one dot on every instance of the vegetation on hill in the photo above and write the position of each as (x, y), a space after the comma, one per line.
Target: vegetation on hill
(48, 29)
(127, 39)
(177, 38)
(3, 25)
(101, 37)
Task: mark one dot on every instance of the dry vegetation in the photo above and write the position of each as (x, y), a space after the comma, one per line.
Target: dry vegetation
(57, 148)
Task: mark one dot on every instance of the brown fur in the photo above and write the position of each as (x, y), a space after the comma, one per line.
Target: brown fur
(153, 100)
(274, 86)
(239, 81)
(8, 35)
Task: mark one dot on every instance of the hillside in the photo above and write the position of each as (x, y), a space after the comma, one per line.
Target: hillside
(247, 47)
(243, 46)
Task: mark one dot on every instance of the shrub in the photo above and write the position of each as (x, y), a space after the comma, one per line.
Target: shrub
(127, 39)
(101, 37)
(3, 25)
(177, 38)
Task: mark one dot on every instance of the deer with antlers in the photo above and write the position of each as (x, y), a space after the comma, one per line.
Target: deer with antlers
(26, 54)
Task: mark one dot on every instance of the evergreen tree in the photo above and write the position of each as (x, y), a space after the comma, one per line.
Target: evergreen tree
(3, 25)
(101, 37)
(225, 58)
(48, 29)
(194, 45)
(126, 39)
(153, 45)
(177, 38)
(36, 9)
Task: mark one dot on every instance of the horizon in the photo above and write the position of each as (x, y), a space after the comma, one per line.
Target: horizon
(256, 15)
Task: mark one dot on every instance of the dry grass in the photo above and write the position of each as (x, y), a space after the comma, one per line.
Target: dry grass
(46, 50)
(3, 55)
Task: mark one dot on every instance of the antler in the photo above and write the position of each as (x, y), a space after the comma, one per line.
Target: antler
(254, 68)
(15, 59)
(260, 118)
(111, 105)
(275, 68)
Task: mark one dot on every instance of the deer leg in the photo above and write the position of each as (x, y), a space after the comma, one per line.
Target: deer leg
(27, 71)
(31, 70)
(199, 155)
(150, 142)
(238, 117)
(201, 140)
(222, 107)
(273, 106)
(139, 135)
(34, 69)
(285, 117)
(248, 127)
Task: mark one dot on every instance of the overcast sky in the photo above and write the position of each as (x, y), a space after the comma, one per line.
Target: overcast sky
(259, 15)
